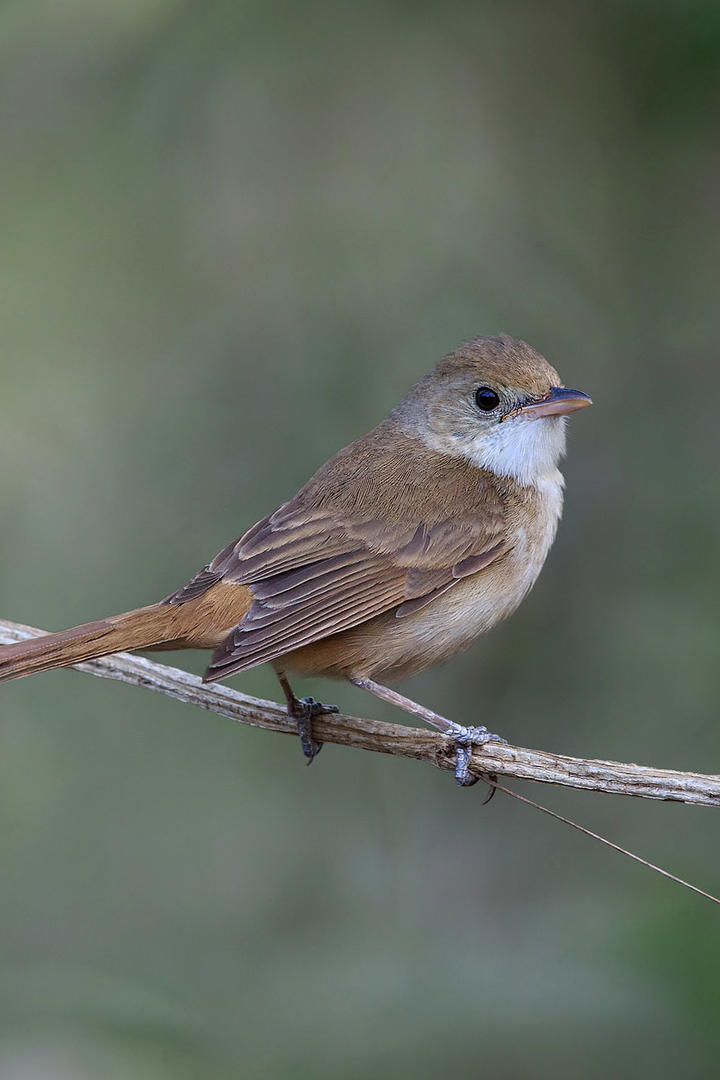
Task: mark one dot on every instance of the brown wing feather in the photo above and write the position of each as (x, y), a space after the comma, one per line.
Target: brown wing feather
(366, 535)
(246, 647)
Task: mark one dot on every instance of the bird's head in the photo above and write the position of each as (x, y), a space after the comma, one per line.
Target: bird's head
(497, 403)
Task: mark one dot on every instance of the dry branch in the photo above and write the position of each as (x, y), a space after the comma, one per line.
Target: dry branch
(611, 777)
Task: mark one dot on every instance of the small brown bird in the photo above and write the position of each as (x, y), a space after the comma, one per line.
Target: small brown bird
(397, 553)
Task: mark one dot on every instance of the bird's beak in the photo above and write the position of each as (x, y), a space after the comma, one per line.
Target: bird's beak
(556, 402)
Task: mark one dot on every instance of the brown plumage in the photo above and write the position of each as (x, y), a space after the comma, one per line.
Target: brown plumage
(399, 551)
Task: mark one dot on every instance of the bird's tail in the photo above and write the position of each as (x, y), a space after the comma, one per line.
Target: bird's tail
(148, 627)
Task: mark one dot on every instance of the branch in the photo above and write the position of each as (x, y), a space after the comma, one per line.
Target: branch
(611, 777)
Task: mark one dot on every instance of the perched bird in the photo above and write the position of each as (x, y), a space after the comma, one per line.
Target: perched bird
(398, 552)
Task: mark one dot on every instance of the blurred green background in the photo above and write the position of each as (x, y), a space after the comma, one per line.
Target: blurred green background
(233, 234)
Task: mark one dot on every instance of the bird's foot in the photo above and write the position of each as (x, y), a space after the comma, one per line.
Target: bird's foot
(464, 738)
(302, 711)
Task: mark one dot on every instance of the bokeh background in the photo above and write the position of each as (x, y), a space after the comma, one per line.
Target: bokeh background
(233, 234)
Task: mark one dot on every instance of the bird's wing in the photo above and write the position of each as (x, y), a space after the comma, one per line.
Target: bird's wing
(312, 574)
(385, 524)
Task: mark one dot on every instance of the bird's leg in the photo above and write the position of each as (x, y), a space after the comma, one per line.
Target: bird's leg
(464, 737)
(302, 710)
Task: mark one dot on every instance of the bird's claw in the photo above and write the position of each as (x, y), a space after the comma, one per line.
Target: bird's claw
(303, 711)
(464, 738)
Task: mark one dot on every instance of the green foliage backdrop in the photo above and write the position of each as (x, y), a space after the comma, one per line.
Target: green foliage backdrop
(233, 234)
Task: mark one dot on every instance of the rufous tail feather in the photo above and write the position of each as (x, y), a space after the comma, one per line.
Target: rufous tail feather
(155, 626)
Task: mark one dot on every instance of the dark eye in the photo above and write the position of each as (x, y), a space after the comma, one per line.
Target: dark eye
(486, 399)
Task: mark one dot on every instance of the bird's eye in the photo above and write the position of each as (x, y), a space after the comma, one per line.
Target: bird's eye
(486, 399)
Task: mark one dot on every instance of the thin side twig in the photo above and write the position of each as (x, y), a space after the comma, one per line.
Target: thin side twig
(612, 777)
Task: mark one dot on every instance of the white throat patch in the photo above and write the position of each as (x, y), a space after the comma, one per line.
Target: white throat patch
(527, 450)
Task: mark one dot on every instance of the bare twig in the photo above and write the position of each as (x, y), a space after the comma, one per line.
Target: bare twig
(611, 777)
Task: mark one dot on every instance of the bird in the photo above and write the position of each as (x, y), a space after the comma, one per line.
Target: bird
(400, 551)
